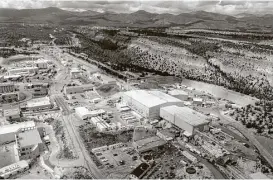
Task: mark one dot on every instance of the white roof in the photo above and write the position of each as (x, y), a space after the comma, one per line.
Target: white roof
(151, 98)
(13, 167)
(177, 92)
(39, 102)
(82, 111)
(197, 99)
(258, 175)
(11, 128)
(187, 114)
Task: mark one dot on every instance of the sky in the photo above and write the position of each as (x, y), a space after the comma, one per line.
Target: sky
(230, 7)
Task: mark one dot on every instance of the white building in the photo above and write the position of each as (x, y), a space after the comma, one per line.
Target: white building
(84, 113)
(75, 73)
(23, 71)
(148, 103)
(185, 118)
(180, 94)
(13, 169)
(7, 132)
(100, 124)
(39, 104)
(197, 101)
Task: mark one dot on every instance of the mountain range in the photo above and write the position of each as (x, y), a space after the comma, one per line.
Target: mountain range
(141, 18)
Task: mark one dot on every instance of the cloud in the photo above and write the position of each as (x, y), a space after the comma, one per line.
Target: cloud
(160, 6)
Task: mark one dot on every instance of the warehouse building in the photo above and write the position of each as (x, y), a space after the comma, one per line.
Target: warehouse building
(148, 103)
(39, 104)
(78, 89)
(13, 169)
(185, 118)
(180, 94)
(7, 132)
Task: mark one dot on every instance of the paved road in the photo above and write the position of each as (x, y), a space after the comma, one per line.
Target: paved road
(82, 149)
(62, 104)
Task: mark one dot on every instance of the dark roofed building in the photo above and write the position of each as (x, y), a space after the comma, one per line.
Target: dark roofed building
(139, 171)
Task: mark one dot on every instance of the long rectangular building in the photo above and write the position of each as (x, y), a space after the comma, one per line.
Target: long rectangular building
(185, 118)
(148, 103)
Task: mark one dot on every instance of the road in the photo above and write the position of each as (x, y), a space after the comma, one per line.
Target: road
(249, 135)
(62, 104)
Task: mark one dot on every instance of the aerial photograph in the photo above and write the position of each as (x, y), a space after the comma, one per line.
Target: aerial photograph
(136, 89)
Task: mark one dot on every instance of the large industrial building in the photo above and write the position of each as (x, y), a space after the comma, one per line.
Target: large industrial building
(148, 103)
(185, 118)
(7, 132)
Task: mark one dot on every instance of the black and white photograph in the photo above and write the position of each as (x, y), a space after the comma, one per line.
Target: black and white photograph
(136, 89)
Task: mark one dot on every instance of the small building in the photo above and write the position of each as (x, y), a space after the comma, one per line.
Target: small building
(39, 104)
(180, 94)
(185, 118)
(29, 144)
(148, 144)
(100, 124)
(197, 101)
(84, 113)
(189, 156)
(78, 89)
(75, 73)
(13, 113)
(13, 169)
(42, 64)
(8, 132)
(12, 77)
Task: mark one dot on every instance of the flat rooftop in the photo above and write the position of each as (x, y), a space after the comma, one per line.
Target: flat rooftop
(150, 142)
(29, 138)
(151, 98)
(39, 102)
(177, 92)
(187, 114)
(11, 112)
(12, 128)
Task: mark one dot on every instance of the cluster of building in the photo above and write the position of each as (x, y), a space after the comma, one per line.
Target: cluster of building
(157, 104)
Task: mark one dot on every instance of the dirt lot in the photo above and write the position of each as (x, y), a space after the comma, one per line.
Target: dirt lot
(7, 155)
